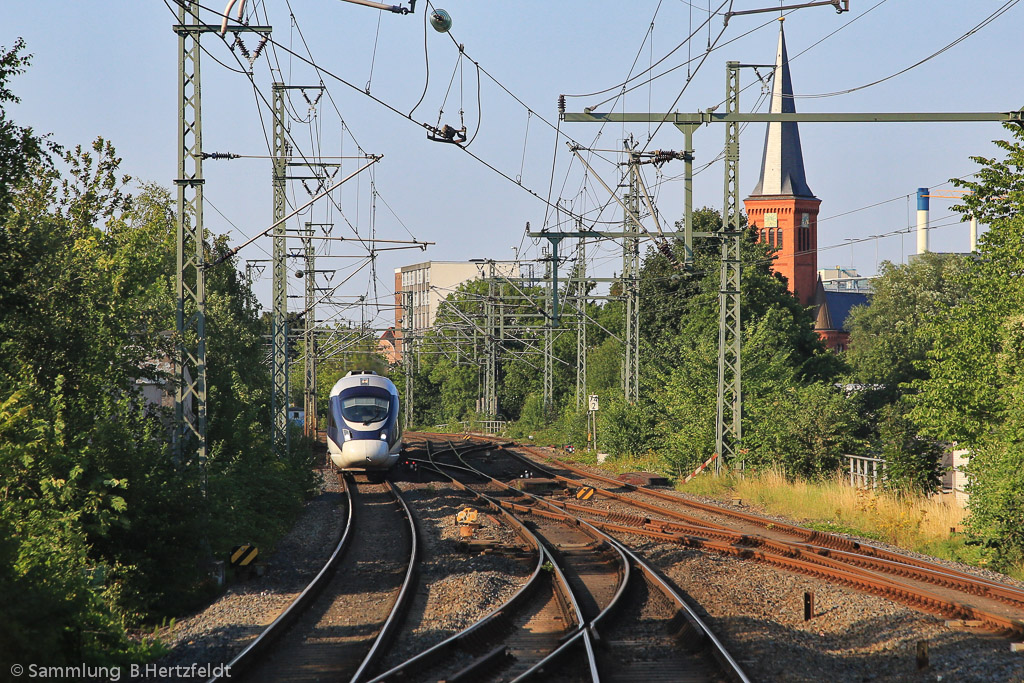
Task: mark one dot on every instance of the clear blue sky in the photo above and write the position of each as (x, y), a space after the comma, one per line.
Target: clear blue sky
(110, 69)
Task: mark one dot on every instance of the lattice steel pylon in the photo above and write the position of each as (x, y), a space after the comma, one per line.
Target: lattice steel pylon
(279, 318)
(309, 334)
(549, 330)
(581, 324)
(631, 286)
(492, 310)
(729, 405)
(190, 288)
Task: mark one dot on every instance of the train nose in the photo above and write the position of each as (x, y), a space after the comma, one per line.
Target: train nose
(370, 451)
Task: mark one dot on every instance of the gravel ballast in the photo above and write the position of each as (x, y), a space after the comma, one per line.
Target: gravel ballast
(756, 610)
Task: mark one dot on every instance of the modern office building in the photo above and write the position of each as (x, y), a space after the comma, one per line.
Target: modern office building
(430, 283)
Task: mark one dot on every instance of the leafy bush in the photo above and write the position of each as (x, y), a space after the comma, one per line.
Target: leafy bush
(804, 430)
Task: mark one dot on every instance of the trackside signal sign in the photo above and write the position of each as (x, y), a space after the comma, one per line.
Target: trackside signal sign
(585, 493)
(244, 555)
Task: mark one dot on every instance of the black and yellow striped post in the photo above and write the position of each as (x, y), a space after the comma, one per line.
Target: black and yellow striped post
(244, 555)
(584, 493)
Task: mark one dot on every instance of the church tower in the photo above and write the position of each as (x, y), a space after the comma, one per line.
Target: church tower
(782, 207)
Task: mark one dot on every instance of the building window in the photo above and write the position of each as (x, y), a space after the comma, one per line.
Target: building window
(778, 238)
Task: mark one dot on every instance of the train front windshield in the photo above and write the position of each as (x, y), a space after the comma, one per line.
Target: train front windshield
(365, 409)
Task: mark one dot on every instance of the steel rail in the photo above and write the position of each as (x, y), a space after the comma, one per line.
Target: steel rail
(571, 643)
(718, 650)
(854, 577)
(402, 602)
(823, 543)
(581, 631)
(260, 645)
(495, 616)
(568, 592)
(813, 553)
(565, 595)
(819, 541)
(781, 553)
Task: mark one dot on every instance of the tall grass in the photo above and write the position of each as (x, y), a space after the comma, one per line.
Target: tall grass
(931, 525)
(646, 462)
(898, 518)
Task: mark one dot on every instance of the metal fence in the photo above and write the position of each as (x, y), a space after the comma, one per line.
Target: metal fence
(866, 473)
(475, 427)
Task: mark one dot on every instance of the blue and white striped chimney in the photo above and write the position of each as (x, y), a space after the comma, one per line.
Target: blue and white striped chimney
(922, 220)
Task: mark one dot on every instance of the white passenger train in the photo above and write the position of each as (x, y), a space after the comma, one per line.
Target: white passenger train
(364, 432)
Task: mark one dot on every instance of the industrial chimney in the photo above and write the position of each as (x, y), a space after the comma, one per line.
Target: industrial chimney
(922, 220)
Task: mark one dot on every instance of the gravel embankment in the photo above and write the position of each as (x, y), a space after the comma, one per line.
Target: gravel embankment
(758, 612)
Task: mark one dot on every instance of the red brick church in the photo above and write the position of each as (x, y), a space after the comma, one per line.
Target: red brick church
(784, 211)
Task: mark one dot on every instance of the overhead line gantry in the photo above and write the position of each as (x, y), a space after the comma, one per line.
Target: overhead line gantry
(728, 428)
(190, 399)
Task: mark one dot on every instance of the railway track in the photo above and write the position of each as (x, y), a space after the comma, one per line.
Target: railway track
(623, 508)
(591, 608)
(341, 624)
(517, 633)
(631, 625)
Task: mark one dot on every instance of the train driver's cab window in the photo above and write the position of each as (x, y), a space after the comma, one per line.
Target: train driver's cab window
(365, 409)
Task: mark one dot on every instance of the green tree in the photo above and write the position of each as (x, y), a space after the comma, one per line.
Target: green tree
(971, 392)
(963, 394)
(911, 460)
(99, 526)
(886, 344)
(996, 469)
(679, 322)
(20, 148)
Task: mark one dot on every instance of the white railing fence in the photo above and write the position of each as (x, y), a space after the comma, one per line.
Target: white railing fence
(866, 473)
(479, 426)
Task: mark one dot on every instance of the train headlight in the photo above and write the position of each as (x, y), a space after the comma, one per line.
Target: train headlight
(384, 435)
(346, 434)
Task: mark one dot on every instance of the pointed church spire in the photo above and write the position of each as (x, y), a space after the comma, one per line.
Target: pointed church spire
(782, 167)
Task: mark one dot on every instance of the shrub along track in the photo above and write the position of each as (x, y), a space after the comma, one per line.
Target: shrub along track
(653, 636)
(625, 508)
(342, 622)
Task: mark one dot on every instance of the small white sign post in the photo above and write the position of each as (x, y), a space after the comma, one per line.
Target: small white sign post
(593, 418)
